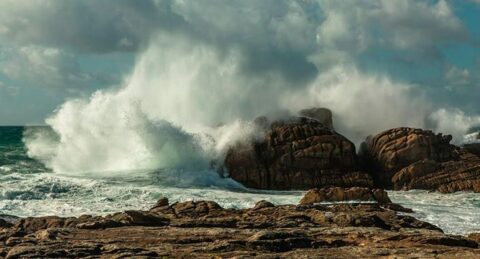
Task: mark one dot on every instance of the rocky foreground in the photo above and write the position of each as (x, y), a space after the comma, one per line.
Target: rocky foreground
(204, 229)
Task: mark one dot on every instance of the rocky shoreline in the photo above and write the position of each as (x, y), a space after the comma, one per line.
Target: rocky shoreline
(306, 152)
(206, 230)
(345, 214)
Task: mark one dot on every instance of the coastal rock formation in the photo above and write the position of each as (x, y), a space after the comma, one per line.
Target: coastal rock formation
(323, 115)
(300, 153)
(406, 158)
(473, 148)
(204, 229)
(335, 194)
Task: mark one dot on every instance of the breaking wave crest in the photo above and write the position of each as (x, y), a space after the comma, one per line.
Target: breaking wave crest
(185, 103)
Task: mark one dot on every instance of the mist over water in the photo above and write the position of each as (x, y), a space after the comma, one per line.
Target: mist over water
(30, 189)
(186, 102)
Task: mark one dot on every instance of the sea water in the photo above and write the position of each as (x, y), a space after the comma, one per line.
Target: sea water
(28, 188)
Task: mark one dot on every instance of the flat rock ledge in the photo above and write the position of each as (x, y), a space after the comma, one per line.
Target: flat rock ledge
(338, 194)
(204, 229)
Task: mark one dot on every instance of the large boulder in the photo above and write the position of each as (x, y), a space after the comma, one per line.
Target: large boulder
(406, 158)
(299, 153)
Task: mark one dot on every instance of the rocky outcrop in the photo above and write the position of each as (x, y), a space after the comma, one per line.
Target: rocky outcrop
(336, 194)
(203, 229)
(323, 115)
(475, 237)
(406, 158)
(300, 153)
(473, 148)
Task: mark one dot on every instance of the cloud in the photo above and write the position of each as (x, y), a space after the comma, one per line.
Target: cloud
(45, 67)
(207, 63)
(87, 26)
(294, 37)
(411, 30)
(272, 34)
(457, 77)
(247, 49)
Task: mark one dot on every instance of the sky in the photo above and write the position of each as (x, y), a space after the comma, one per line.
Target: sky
(54, 51)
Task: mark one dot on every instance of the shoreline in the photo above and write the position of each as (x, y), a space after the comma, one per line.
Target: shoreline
(205, 229)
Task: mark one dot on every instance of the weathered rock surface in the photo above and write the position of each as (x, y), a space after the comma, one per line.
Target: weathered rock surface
(204, 229)
(475, 237)
(335, 194)
(406, 158)
(473, 148)
(300, 153)
(323, 115)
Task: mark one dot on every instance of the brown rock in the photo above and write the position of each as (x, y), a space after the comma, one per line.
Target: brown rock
(381, 196)
(285, 231)
(162, 202)
(475, 237)
(195, 207)
(406, 158)
(139, 218)
(297, 154)
(473, 148)
(205, 230)
(335, 194)
(263, 204)
(33, 224)
(5, 224)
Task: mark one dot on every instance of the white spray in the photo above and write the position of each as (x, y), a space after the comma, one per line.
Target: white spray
(189, 96)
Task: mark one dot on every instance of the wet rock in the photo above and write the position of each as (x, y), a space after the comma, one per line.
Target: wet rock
(406, 158)
(50, 234)
(205, 230)
(5, 224)
(335, 194)
(52, 251)
(299, 153)
(263, 204)
(162, 202)
(450, 241)
(397, 207)
(323, 115)
(475, 237)
(195, 207)
(473, 148)
(33, 224)
(279, 241)
(139, 218)
(99, 224)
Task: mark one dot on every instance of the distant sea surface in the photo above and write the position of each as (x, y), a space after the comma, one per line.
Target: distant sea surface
(29, 188)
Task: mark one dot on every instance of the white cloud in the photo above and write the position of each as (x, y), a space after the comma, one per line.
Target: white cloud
(457, 77)
(44, 67)
(270, 47)
(354, 26)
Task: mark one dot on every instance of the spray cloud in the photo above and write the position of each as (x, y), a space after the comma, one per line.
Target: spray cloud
(196, 86)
